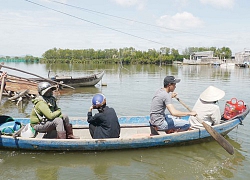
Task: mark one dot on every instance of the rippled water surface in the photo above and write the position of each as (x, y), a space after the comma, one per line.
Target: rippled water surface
(129, 90)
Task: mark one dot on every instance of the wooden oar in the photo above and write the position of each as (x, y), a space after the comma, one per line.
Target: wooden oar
(36, 76)
(2, 87)
(218, 137)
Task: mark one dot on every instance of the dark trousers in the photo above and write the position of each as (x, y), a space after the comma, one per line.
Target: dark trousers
(91, 130)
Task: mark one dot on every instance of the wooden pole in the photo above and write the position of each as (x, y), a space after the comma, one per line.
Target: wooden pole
(2, 87)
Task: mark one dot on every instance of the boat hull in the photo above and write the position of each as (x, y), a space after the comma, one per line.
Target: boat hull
(85, 81)
(110, 144)
(80, 81)
(135, 133)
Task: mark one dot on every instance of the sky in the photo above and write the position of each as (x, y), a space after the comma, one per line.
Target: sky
(31, 27)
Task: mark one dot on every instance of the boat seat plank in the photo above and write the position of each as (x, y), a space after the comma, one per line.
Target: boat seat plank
(134, 132)
(40, 135)
(82, 133)
(63, 77)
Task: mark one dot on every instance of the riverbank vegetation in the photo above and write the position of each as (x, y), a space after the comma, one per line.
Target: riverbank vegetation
(129, 55)
(27, 58)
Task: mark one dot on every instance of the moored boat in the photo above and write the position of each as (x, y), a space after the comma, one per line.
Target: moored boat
(135, 133)
(63, 81)
(228, 65)
(85, 81)
(69, 81)
(16, 85)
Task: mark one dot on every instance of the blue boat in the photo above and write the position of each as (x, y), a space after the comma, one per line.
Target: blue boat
(136, 132)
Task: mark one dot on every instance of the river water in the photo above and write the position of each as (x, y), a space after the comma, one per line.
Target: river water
(129, 91)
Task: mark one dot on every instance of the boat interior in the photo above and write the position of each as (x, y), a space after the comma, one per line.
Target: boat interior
(83, 133)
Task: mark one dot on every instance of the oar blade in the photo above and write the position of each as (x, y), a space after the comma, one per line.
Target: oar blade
(219, 138)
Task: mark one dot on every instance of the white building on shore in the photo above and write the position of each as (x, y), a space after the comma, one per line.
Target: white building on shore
(242, 57)
(204, 57)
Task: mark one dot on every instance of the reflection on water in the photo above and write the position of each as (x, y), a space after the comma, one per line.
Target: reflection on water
(129, 90)
(184, 162)
(12, 109)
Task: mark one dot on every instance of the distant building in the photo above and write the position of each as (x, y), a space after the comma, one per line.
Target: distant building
(243, 57)
(204, 57)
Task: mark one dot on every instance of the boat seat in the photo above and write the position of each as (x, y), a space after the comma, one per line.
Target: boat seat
(155, 131)
(63, 77)
(197, 126)
(39, 135)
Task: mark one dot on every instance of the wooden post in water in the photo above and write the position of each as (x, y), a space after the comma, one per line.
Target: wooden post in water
(2, 87)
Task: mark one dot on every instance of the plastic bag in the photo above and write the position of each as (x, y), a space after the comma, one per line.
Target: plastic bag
(233, 108)
(28, 131)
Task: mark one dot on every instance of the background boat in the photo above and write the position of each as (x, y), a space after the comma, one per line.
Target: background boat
(85, 81)
(17, 86)
(227, 65)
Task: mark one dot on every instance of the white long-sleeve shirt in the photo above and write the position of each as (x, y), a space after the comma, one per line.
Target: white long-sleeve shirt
(209, 112)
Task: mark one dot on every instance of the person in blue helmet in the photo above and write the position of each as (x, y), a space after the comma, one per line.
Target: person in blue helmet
(103, 124)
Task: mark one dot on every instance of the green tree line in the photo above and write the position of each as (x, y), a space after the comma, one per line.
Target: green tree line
(27, 58)
(129, 55)
(126, 55)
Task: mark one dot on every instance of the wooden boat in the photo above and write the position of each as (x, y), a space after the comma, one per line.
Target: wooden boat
(135, 133)
(19, 84)
(16, 85)
(79, 81)
(244, 65)
(70, 81)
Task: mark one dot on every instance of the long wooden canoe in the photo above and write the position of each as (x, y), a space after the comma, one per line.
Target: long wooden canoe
(135, 133)
(84, 81)
(80, 81)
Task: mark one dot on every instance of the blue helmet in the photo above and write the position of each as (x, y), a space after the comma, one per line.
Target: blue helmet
(98, 101)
